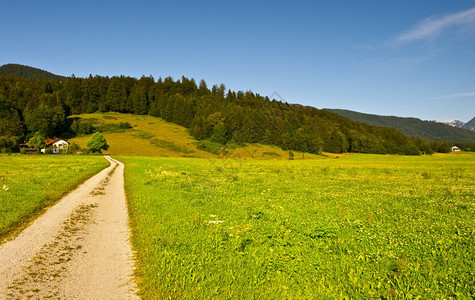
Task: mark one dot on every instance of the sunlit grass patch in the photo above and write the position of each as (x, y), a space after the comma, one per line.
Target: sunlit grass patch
(170, 146)
(271, 153)
(358, 227)
(144, 135)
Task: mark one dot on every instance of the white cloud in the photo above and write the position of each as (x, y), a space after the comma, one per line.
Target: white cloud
(457, 95)
(433, 26)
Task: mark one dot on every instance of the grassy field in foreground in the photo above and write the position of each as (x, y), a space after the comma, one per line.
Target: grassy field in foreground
(29, 183)
(357, 227)
(151, 136)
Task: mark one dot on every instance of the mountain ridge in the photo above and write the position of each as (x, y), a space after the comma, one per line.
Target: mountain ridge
(411, 126)
(470, 125)
(26, 71)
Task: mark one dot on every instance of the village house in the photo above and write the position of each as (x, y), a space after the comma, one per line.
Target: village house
(57, 145)
(455, 148)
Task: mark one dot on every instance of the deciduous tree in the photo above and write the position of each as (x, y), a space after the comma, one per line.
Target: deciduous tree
(97, 143)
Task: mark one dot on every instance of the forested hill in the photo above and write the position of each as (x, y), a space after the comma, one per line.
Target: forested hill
(42, 105)
(412, 126)
(26, 71)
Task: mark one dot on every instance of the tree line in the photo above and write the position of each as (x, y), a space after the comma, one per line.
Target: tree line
(42, 105)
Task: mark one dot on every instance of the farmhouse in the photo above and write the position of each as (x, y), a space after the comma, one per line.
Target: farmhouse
(455, 148)
(57, 145)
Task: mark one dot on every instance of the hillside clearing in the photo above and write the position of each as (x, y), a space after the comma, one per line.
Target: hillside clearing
(151, 136)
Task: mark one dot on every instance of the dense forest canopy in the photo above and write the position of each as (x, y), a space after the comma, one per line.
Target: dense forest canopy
(39, 104)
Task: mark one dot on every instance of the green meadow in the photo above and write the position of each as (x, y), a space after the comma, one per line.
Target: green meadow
(358, 227)
(29, 183)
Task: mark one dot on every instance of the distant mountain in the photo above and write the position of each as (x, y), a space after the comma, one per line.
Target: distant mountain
(26, 71)
(470, 125)
(454, 123)
(414, 127)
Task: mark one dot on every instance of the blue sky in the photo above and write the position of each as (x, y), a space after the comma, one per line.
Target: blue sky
(404, 58)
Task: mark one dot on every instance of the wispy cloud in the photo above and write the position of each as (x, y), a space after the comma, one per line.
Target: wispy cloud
(457, 95)
(433, 26)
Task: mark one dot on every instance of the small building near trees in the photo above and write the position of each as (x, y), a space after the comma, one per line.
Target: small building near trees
(455, 148)
(57, 145)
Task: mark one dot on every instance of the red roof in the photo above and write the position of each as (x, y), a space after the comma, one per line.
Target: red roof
(48, 141)
(51, 141)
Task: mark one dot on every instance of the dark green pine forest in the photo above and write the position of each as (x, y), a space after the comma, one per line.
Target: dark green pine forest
(38, 103)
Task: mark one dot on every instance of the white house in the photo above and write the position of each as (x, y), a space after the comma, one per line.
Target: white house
(60, 146)
(455, 148)
(57, 145)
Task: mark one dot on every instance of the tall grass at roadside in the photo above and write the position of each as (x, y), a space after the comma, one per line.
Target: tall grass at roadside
(28, 183)
(356, 227)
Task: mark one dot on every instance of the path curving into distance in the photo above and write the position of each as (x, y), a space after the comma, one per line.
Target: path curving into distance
(79, 249)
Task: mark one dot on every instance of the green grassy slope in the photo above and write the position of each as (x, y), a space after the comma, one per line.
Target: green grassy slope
(151, 136)
(411, 126)
(361, 227)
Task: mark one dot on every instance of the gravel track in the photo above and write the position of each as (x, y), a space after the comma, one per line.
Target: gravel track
(78, 249)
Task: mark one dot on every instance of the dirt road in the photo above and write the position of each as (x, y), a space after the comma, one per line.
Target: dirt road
(78, 249)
